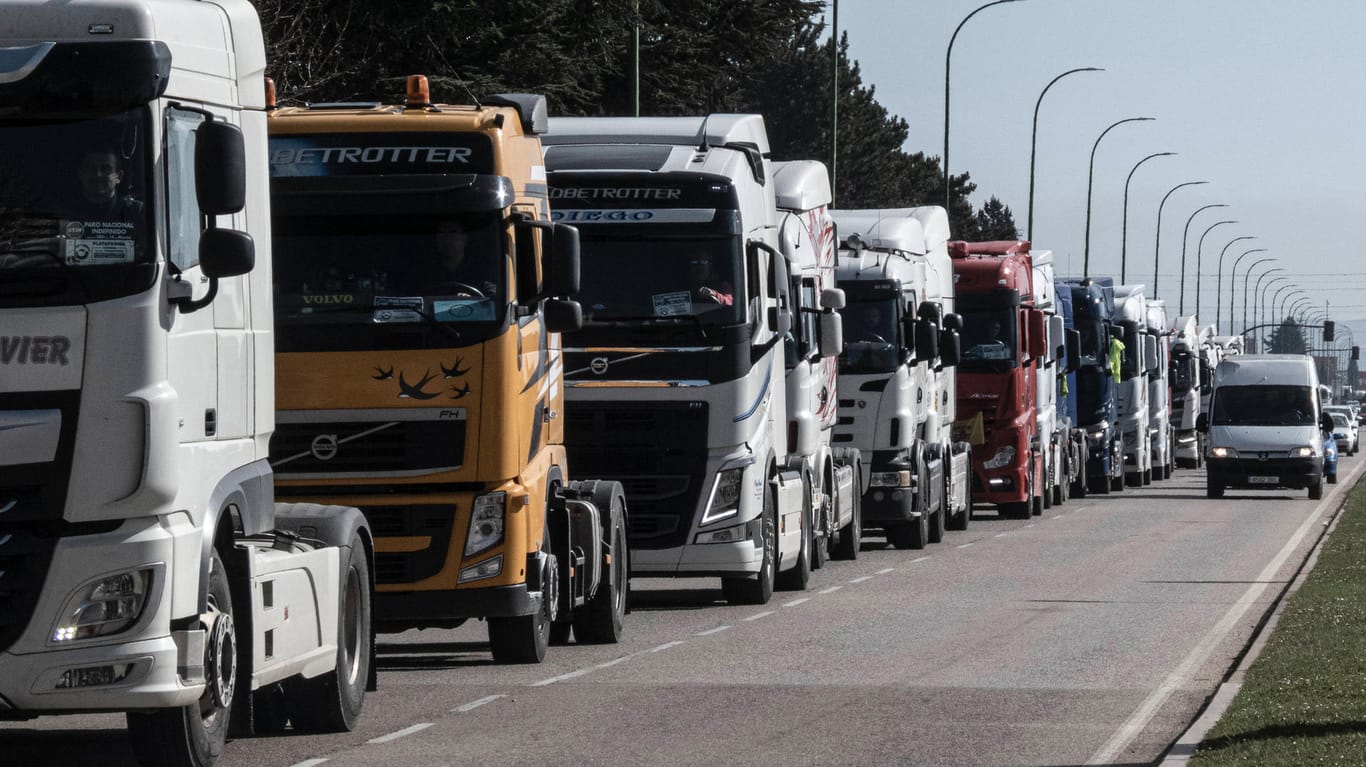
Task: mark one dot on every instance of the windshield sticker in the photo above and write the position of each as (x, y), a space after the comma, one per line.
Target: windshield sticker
(93, 243)
(469, 309)
(398, 308)
(672, 304)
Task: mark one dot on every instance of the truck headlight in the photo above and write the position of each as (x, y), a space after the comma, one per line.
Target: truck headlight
(104, 606)
(1003, 457)
(889, 479)
(733, 534)
(725, 495)
(1303, 452)
(486, 522)
(1223, 452)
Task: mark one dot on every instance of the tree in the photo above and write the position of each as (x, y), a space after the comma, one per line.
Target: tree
(1288, 338)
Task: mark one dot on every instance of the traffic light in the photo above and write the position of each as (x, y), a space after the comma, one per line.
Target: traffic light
(1356, 352)
(1327, 331)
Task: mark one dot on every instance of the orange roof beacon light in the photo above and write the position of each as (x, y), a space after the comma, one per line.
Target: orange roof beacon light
(270, 94)
(419, 94)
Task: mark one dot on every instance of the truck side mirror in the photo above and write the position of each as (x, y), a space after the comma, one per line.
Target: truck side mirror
(950, 347)
(832, 334)
(1073, 344)
(926, 340)
(931, 312)
(953, 322)
(562, 315)
(1038, 334)
(1202, 423)
(832, 299)
(226, 253)
(1325, 422)
(220, 168)
(1149, 353)
(561, 277)
(1056, 347)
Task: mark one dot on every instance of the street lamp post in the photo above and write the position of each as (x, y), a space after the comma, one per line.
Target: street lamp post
(1259, 307)
(1185, 235)
(1232, 281)
(1090, 175)
(1248, 274)
(948, 59)
(1199, 259)
(1219, 281)
(1124, 226)
(1157, 248)
(1280, 315)
(1033, 141)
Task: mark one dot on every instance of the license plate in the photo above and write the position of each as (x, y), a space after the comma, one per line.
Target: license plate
(1259, 480)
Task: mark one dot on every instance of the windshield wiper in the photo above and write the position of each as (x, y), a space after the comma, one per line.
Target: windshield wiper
(363, 309)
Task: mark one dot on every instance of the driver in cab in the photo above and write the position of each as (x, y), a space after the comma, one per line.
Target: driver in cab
(706, 286)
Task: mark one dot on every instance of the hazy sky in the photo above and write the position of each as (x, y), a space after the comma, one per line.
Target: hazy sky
(1262, 99)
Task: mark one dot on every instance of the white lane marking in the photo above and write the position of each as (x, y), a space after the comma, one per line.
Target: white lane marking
(561, 677)
(472, 705)
(403, 733)
(964, 545)
(1176, 679)
(759, 615)
(309, 763)
(667, 645)
(1031, 524)
(919, 559)
(1058, 516)
(885, 570)
(998, 535)
(862, 578)
(709, 632)
(830, 590)
(615, 661)
(796, 602)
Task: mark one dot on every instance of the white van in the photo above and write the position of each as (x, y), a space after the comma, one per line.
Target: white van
(1264, 425)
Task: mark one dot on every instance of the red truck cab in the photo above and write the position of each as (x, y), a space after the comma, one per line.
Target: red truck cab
(1004, 341)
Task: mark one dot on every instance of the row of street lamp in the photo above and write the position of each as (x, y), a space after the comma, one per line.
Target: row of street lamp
(1123, 278)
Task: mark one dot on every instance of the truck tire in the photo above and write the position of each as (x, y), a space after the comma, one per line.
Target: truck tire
(799, 575)
(914, 534)
(851, 535)
(332, 702)
(824, 530)
(745, 590)
(194, 735)
(601, 620)
(524, 638)
(1316, 490)
(961, 520)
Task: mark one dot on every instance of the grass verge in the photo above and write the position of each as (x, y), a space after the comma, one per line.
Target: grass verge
(1303, 700)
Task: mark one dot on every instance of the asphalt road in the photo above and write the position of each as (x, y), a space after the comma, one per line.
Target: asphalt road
(1090, 635)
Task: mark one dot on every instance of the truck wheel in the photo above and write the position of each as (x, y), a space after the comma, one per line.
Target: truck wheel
(1048, 487)
(1099, 485)
(824, 530)
(1316, 490)
(601, 620)
(1332, 478)
(909, 535)
(851, 535)
(757, 591)
(194, 735)
(332, 702)
(524, 638)
(796, 578)
(1117, 484)
(937, 522)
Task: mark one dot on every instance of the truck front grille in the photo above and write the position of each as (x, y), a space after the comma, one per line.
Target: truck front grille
(657, 451)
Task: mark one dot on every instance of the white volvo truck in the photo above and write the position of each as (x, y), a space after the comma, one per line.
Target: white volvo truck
(675, 383)
(1140, 356)
(833, 476)
(1061, 452)
(1159, 393)
(144, 567)
(897, 396)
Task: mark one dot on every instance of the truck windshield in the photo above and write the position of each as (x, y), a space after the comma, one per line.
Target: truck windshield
(348, 282)
(989, 339)
(871, 340)
(639, 279)
(1093, 342)
(74, 193)
(1264, 406)
(1183, 372)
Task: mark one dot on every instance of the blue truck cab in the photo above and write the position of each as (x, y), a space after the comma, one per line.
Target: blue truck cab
(1092, 391)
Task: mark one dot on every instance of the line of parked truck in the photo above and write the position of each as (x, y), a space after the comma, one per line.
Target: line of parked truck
(468, 310)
